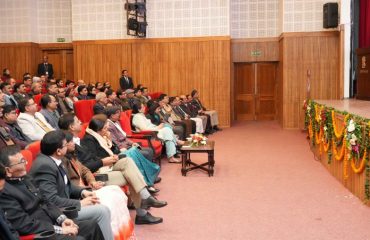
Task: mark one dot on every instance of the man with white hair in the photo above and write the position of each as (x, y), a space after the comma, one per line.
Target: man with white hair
(101, 103)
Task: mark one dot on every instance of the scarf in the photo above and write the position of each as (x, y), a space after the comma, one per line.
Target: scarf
(103, 141)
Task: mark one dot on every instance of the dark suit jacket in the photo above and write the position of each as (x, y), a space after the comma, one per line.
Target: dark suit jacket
(26, 209)
(124, 85)
(6, 229)
(98, 109)
(42, 69)
(50, 181)
(90, 143)
(91, 161)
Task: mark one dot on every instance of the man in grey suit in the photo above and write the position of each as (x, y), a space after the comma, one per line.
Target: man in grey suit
(49, 110)
(51, 178)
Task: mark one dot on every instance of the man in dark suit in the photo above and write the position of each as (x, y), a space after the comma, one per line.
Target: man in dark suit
(50, 177)
(45, 68)
(125, 81)
(6, 229)
(27, 209)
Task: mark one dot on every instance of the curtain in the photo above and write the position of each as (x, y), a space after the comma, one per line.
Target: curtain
(364, 24)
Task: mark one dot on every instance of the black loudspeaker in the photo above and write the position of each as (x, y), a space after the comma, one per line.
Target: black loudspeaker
(330, 14)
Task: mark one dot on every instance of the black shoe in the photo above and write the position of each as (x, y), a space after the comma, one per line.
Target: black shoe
(152, 202)
(147, 219)
(217, 128)
(158, 180)
(153, 190)
(131, 206)
(176, 155)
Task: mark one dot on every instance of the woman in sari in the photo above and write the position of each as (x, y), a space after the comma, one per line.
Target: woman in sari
(165, 132)
(111, 196)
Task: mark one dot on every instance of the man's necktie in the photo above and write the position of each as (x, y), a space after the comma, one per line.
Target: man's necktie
(64, 174)
(43, 125)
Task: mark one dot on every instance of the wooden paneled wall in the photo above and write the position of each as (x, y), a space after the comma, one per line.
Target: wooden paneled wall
(242, 50)
(174, 66)
(316, 52)
(19, 58)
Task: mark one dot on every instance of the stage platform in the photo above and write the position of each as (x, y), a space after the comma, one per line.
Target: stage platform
(331, 141)
(358, 107)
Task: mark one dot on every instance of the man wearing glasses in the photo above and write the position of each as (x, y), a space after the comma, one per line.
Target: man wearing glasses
(32, 123)
(27, 210)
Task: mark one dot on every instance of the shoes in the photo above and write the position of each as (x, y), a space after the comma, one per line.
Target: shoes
(147, 219)
(152, 202)
(153, 190)
(158, 180)
(217, 128)
(176, 155)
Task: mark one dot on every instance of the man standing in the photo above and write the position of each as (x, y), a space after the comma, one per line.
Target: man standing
(125, 81)
(45, 68)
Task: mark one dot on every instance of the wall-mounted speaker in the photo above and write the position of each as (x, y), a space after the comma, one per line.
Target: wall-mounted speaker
(330, 15)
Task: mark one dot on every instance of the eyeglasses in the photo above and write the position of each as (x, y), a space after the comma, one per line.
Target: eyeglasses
(20, 162)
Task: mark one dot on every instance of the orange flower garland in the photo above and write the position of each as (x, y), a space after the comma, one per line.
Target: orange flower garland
(361, 168)
(345, 165)
(337, 156)
(338, 135)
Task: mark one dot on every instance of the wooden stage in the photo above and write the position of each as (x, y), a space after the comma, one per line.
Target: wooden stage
(335, 151)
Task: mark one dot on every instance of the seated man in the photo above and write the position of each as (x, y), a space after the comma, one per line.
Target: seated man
(28, 211)
(8, 120)
(124, 172)
(49, 110)
(101, 103)
(50, 177)
(202, 110)
(32, 123)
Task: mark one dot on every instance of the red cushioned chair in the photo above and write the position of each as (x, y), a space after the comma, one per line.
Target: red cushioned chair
(84, 109)
(83, 130)
(27, 154)
(145, 138)
(34, 148)
(155, 95)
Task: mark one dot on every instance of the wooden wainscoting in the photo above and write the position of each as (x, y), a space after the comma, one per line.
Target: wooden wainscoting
(316, 52)
(19, 58)
(173, 65)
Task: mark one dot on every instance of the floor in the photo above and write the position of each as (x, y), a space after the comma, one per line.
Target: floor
(266, 186)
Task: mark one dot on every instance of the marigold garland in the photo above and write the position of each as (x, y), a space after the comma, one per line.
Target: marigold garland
(338, 135)
(337, 156)
(345, 165)
(361, 168)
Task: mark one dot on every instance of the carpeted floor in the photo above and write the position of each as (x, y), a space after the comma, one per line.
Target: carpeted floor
(266, 186)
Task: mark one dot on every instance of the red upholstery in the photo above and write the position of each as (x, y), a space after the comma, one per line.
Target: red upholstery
(37, 98)
(156, 145)
(83, 130)
(84, 109)
(34, 148)
(27, 237)
(155, 95)
(27, 154)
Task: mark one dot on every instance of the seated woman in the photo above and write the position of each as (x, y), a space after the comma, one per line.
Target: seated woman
(165, 132)
(111, 196)
(141, 156)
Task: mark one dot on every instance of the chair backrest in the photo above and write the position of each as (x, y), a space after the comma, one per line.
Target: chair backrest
(37, 98)
(83, 130)
(155, 95)
(84, 109)
(27, 154)
(34, 148)
(125, 122)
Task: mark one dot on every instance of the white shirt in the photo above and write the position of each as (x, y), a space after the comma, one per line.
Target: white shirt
(58, 162)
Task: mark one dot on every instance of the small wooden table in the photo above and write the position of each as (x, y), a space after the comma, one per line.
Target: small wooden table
(186, 161)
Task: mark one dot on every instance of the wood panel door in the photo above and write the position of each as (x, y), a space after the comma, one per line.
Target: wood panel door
(62, 60)
(265, 91)
(255, 91)
(245, 91)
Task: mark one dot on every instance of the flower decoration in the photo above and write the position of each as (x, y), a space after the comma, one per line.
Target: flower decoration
(197, 140)
(351, 126)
